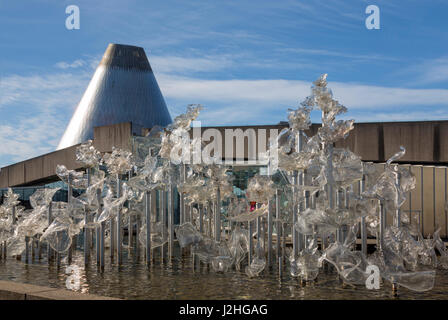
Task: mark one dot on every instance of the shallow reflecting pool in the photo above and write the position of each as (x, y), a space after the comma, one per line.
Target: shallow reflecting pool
(178, 280)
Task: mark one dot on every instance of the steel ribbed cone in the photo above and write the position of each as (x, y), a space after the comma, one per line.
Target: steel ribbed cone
(123, 89)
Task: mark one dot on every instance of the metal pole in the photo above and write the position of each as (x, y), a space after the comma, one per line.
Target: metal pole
(421, 194)
(218, 216)
(32, 248)
(330, 183)
(170, 219)
(137, 238)
(434, 195)
(97, 244)
(338, 205)
(363, 220)
(209, 214)
(27, 249)
(300, 207)
(50, 220)
(112, 228)
(131, 222)
(398, 212)
(39, 250)
(101, 243)
(14, 215)
(279, 227)
(251, 241)
(69, 201)
(270, 213)
(201, 217)
(163, 206)
(382, 224)
(86, 230)
(258, 226)
(99, 235)
(300, 181)
(410, 200)
(163, 211)
(182, 211)
(119, 229)
(294, 216)
(148, 203)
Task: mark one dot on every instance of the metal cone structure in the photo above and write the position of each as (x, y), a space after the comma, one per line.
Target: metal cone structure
(123, 89)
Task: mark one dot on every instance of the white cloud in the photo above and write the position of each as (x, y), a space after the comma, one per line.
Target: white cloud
(36, 109)
(334, 53)
(173, 64)
(431, 71)
(66, 65)
(279, 91)
(382, 116)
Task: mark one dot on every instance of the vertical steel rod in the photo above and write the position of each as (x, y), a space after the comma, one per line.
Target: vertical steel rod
(181, 196)
(112, 236)
(270, 226)
(294, 216)
(170, 219)
(218, 216)
(446, 204)
(97, 245)
(434, 195)
(119, 228)
(299, 236)
(27, 249)
(131, 221)
(363, 220)
(163, 211)
(50, 220)
(137, 237)
(279, 227)
(86, 221)
(99, 234)
(148, 204)
(410, 201)
(398, 212)
(251, 241)
(423, 207)
(201, 218)
(209, 215)
(101, 243)
(69, 201)
(382, 224)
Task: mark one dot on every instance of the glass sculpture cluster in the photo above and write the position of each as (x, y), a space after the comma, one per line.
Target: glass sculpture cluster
(316, 197)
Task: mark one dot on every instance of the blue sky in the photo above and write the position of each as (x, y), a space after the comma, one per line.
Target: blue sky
(245, 61)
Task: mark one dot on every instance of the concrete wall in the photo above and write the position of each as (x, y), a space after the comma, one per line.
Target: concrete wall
(117, 135)
(37, 169)
(425, 142)
(42, 168)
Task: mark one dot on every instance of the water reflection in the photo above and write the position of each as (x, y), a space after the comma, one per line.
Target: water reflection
(176, 278)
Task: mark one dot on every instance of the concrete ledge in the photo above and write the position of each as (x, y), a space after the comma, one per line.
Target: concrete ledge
(10, 290)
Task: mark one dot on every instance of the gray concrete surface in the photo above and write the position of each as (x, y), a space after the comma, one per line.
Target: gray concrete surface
(10, 290)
